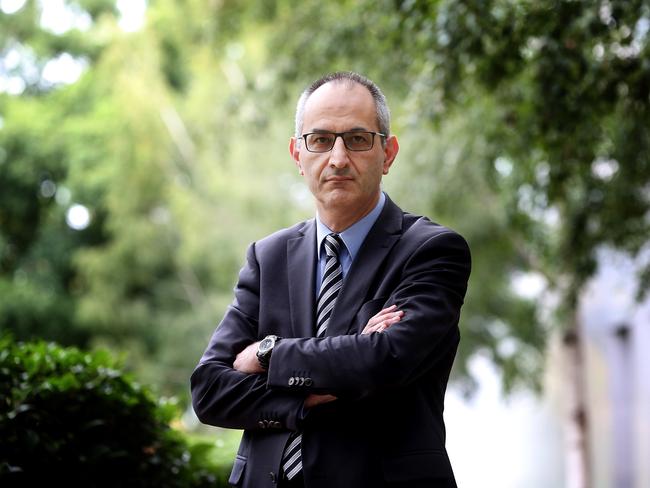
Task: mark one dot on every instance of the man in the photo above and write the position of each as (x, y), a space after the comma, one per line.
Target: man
(335, 353)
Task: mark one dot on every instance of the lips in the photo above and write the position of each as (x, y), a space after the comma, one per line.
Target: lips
(338, 178)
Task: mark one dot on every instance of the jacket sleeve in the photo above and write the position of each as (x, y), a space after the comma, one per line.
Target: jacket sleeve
(430, 291)
(224, 397)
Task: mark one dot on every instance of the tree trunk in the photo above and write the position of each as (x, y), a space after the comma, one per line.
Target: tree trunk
(578, 472)
(622, 400)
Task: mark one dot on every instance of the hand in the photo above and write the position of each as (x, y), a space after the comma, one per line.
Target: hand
(247, 362)
(383, 320)
(312, 400)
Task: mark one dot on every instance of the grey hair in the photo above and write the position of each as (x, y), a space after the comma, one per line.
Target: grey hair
(383, 113)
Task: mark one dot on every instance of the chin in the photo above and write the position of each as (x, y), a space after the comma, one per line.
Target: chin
(338, 198)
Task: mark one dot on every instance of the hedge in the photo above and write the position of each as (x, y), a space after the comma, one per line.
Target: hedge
(73, 418)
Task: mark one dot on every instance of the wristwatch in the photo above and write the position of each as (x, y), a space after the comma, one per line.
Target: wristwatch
(264, 350)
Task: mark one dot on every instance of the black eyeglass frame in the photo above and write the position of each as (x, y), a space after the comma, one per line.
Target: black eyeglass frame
(341, 134)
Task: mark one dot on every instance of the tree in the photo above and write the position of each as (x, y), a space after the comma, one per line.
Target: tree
(573, 84)
(156, 146)
(36, 246)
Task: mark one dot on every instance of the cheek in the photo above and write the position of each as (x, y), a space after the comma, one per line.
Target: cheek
(373, 172)
(311, 175)
(313, 170)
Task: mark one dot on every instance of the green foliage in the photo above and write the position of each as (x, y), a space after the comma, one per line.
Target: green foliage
(154, 142)
(217, 446)
(547, 103)
(573, 84)
(524, 125)
(75, 419)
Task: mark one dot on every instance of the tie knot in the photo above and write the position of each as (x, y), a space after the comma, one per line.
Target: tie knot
(333, 244)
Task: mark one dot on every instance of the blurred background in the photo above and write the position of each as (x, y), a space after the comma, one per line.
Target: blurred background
(143, 145)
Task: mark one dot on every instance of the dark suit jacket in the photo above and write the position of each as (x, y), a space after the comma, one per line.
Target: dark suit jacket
(387, 425)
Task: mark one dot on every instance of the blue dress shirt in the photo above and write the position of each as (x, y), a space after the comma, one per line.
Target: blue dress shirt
(352, 237)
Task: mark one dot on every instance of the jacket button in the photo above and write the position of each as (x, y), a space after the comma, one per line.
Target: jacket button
(276, 425)
(301, 381)
(272, 476)
(261, 424)
(291, 381)
(308, 382)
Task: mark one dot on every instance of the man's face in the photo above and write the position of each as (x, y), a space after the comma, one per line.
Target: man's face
(345, 183)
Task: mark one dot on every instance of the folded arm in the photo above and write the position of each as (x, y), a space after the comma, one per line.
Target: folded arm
(225, 397)
(247, 362)
(430, 293)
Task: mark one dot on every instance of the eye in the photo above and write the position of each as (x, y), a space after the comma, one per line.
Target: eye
(322, 139)
(358, 140)
(319, 139)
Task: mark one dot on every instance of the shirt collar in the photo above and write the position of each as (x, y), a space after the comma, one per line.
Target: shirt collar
(354, 235)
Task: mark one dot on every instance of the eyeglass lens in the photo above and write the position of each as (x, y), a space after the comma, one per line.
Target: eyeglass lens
(354, 141)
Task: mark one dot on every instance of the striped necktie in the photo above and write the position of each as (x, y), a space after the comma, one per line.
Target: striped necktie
(329, 291)
(331, 283)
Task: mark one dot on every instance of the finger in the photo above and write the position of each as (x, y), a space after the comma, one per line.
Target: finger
(390, 318)
(384, 324)
(385, 316)
(386, 310)
(389, 322)
(376, 321)
(375, 328)
(369, 329)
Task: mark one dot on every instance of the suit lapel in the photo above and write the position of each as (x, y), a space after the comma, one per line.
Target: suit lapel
(379, 241)
(301, 263)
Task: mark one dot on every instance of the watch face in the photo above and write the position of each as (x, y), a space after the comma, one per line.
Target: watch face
(266, 344)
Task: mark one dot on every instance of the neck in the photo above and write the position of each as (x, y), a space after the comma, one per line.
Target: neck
(340, 218)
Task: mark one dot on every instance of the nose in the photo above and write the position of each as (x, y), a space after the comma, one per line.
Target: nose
(339, 154)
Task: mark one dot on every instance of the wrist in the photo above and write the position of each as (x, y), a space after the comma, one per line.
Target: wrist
(265, 350)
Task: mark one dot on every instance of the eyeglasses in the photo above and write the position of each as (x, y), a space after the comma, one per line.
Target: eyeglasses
(319, 142)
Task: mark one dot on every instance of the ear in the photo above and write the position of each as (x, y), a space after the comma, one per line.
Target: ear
(294, 150)
(391, 148)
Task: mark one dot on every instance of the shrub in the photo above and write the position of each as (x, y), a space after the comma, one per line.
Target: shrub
(72, 418)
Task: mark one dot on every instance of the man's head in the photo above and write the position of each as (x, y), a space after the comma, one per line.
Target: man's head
(345, 177)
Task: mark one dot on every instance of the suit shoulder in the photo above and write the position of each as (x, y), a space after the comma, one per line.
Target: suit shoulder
(424, 228)
(277, 240)
(420, 230)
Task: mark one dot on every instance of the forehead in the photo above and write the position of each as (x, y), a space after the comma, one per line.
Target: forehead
(340, 106)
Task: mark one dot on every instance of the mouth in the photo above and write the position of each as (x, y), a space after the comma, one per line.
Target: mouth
(337, 179)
